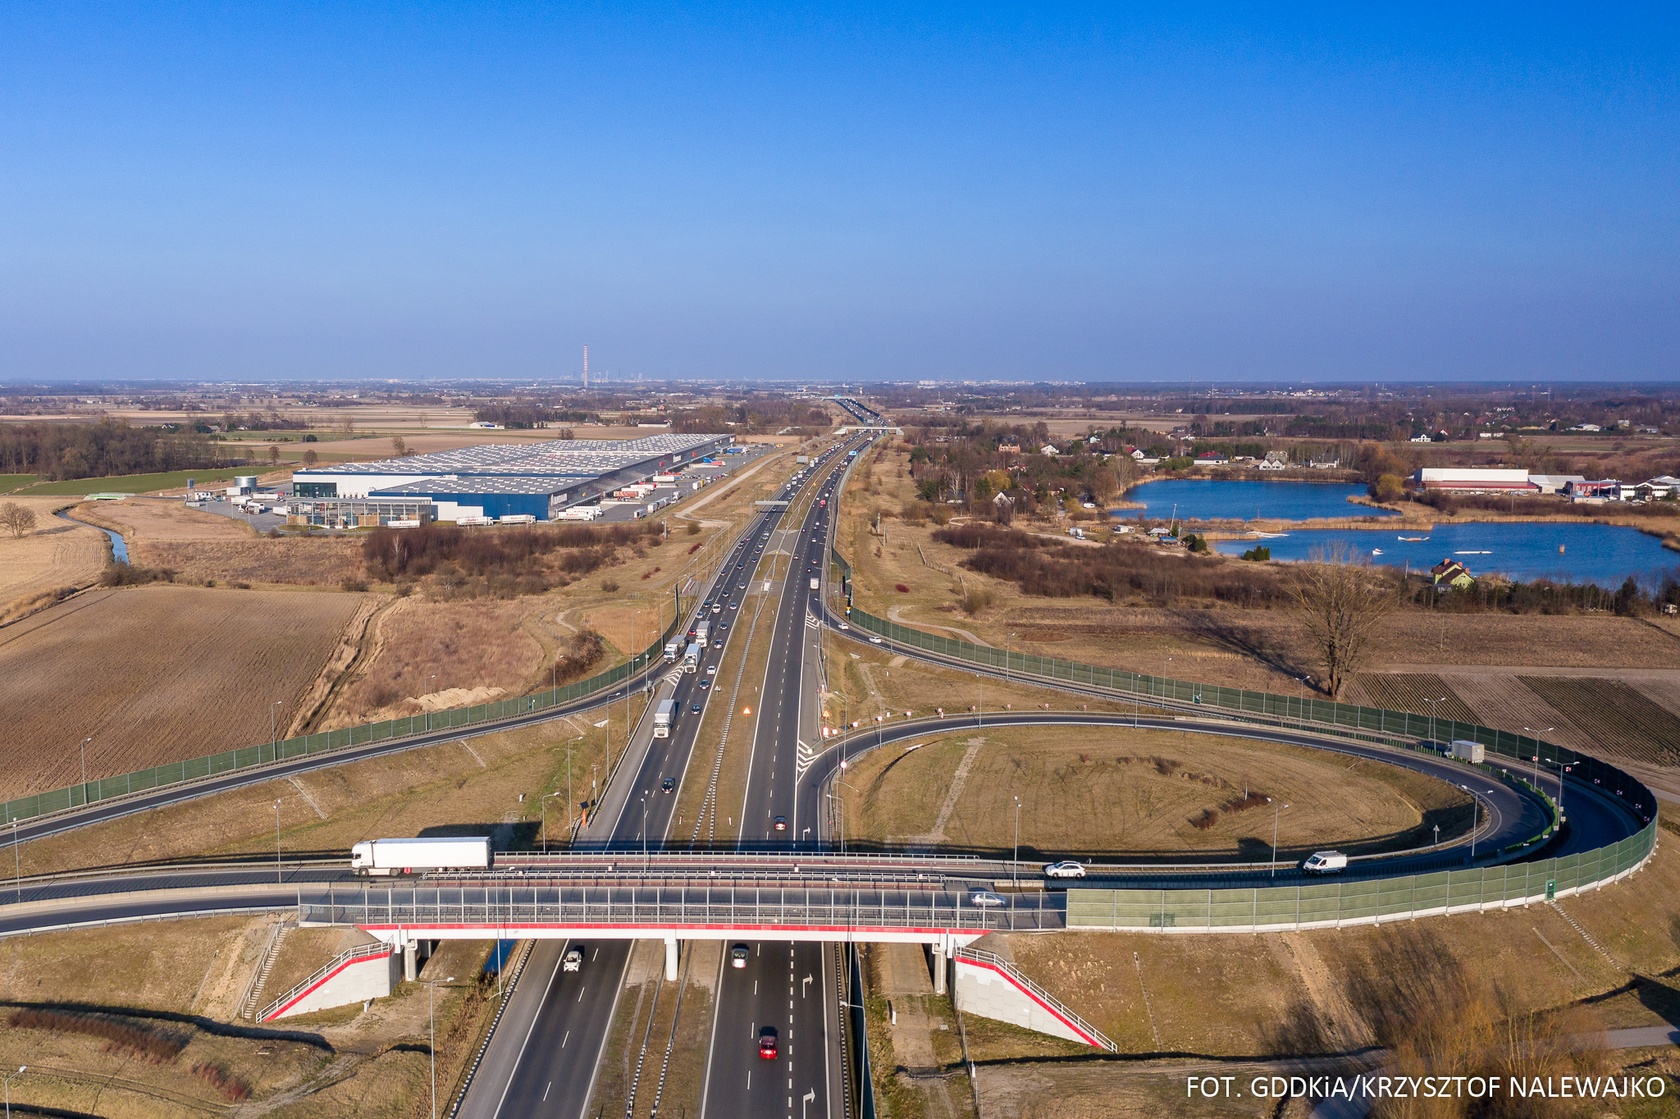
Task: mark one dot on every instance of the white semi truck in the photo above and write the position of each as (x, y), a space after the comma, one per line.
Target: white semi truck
(413, 856)
(702, 631)
(673, 650)
(664, 718)
(691, 659)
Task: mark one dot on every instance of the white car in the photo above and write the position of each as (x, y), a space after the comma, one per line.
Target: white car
(711, 670)
(874, 640)
(844, 626)
(1325, 862)
(573, 959)
(1067, 868)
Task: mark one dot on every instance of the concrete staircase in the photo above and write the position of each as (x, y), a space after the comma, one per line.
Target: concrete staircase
(265, 967)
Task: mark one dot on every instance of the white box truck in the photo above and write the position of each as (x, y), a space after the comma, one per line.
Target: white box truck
(701, 632)
(413, 856)
(672, 650)
(664, 717)
(814, 583)
(691, 659)
(1466, 750)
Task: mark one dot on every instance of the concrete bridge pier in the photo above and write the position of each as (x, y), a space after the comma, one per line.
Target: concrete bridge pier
(670, 959)
(940, 966)
(411, 960)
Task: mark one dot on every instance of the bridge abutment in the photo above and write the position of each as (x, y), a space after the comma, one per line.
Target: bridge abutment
(670, 959)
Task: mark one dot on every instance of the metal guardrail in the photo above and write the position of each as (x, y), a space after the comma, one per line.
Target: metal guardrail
(359, 952)
(267, 753)
(992, 959)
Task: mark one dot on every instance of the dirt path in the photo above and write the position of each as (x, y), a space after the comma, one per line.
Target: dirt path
(959, 779)
(346, 661)
(1667, 675)
(966, 635)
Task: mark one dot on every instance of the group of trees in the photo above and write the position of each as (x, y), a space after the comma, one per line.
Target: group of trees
(101, 449)
(504, 562)
(527, 414)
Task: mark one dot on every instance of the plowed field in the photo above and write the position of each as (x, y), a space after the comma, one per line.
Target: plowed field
(155, 674)
(1622, 721)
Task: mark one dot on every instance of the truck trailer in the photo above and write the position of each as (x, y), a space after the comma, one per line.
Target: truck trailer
(673, 649)
(691, 659)
(1467, 750)
(664, 717)
(702, 631)
(414, 856)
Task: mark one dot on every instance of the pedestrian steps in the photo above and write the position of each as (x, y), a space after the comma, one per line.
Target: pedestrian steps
(1586, 936)
(265, 967)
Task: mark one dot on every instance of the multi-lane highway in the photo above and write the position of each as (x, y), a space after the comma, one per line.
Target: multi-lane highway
(560, 1037)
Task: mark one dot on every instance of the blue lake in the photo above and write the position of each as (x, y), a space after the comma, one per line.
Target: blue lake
(1582, 553)
(1203, 499)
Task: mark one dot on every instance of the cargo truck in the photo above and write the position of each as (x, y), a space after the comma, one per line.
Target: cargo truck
(672, 649)
(813, 582)
(415, 856)
(691, 659)
(1466, 750)
(701, 632)
(664, 716)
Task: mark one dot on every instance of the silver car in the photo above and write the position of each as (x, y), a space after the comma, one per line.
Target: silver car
(985, 899)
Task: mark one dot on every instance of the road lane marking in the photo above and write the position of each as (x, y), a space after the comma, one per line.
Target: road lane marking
(546, 1088)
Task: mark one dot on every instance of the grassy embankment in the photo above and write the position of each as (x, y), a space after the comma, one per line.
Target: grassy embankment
(1130, 794)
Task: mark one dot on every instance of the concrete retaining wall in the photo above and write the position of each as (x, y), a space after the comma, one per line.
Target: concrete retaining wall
(349, 979)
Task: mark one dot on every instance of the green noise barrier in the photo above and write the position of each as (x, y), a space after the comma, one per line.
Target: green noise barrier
(325, 742)
(1333, 902)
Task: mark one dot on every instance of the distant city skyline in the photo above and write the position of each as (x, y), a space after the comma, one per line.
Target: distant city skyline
(1075, 194)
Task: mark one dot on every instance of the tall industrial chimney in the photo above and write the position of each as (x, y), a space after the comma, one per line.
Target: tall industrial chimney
(586, 365)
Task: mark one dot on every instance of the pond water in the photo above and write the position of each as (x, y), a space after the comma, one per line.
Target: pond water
(1581, 553)
(1206, 499)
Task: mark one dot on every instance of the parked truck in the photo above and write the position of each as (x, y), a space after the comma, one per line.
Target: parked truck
(414, 856)
(1467, 750)
(691, 659)
(664, 717)
(673, 649)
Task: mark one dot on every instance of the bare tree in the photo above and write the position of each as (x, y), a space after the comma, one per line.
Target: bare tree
(399, 447)
(17, 519)
(1342, 602)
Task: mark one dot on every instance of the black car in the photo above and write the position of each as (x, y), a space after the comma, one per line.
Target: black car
(694, 709)
(781, 823)
(668, 784)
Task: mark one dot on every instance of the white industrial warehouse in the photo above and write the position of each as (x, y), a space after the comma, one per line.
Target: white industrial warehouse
(497, 482)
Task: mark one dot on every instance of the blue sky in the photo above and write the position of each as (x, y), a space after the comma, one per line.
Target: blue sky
(1104, 193)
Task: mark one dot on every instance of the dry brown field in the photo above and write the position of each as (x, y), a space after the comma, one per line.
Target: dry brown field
(52, 559)
(471, 786)
(1129, 792)
(177, 980)
(155, 674)
(201, 547)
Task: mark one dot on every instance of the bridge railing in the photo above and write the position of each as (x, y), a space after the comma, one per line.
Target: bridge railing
(349, 955)
(1056, 1005)
(267, 753)
(834, 908)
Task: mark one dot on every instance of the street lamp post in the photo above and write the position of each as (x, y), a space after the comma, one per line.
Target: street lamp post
(546, 797)
(17, 863)
(1015, 860)
(1432, 703)
(1536, 736)
(278, 876)
(1277, 808)
(429, 680)
(9, 1078)
(273, 729)
(85, 742)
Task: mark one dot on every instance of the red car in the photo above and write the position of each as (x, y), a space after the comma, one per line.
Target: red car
(767, 1047)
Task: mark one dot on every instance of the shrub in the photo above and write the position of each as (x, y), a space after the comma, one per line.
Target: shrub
(694, 528)
(230, 1086)
(128, 575)
(901, 588)
(153, 1046)
(976, 600)
(1258, 554)
(609, 585)
(351, 583)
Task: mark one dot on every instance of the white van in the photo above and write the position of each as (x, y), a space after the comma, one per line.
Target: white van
(1325, 862)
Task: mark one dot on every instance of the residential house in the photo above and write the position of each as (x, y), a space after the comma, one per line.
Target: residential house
(1275, 460)
(1049, 450)
(1212, 458)
(1450, 573)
